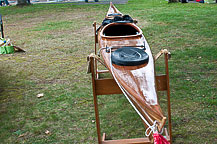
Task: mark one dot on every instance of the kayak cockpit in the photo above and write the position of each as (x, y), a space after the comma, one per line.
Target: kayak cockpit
(121, 30)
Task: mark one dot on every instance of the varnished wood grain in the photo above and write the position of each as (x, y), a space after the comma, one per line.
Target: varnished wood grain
(107, 86)
(128, 141)
(161, 82)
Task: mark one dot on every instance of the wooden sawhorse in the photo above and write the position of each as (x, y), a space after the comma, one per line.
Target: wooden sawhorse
(108, 86)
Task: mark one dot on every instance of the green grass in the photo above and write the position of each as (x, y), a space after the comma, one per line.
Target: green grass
(58, 38)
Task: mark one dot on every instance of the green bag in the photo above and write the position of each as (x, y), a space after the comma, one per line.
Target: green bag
(6, 49)
(9, 49)
(3, 50)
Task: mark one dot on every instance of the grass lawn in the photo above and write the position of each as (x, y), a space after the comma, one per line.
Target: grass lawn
(58, 38)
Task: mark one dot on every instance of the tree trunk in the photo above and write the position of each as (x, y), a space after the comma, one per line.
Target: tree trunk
(23, 2)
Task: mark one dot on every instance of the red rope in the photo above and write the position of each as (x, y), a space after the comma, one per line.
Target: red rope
(159, 139)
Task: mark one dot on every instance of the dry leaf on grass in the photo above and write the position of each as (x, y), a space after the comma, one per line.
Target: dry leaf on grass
(47, 132)
(40, 95)
(22, 135)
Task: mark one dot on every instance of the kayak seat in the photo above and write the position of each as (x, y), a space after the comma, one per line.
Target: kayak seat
(129, 56)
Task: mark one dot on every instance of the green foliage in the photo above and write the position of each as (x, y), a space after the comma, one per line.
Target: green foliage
(58, 38)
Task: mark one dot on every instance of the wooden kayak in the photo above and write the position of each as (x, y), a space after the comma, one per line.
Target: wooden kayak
(119, 35)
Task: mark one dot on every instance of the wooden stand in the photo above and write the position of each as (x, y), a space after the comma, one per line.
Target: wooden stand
(108, 86)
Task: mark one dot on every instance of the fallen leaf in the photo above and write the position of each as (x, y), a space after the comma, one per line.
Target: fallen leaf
(40, 95)
(21, 135)
(47, 132)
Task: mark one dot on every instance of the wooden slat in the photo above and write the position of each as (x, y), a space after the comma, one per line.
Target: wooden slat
(102, 71)
(107, 86)
(128, 141)
(161, 82)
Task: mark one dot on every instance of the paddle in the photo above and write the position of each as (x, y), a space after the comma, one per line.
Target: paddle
(1, 26)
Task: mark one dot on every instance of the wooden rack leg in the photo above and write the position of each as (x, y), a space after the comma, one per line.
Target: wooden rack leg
(168, 97)
(95, 100)
(95, 48)
(95, 36)
(97, 118)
